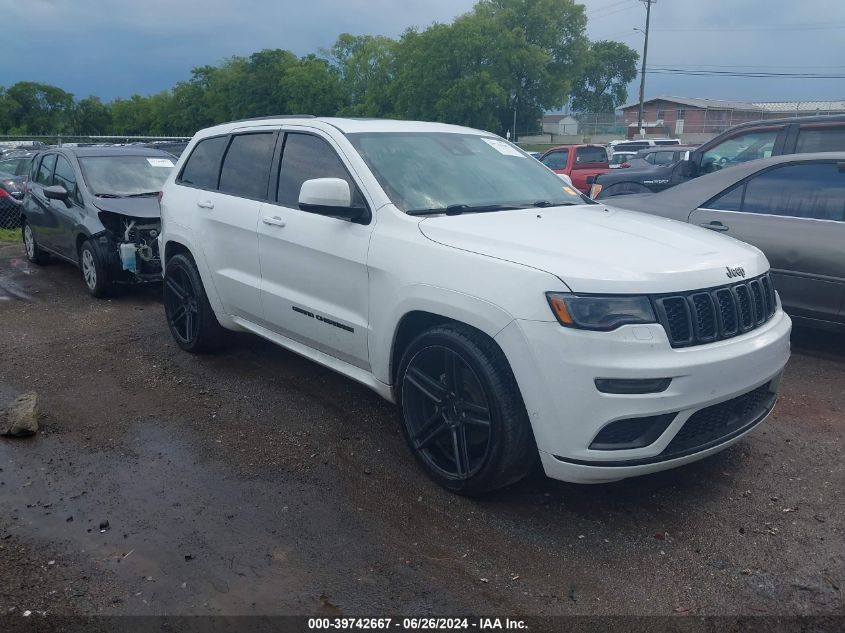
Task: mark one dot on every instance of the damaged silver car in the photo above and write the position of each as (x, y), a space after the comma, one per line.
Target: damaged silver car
(98, 208)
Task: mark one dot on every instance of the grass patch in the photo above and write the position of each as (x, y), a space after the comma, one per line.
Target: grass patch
(10, 235)
(535, 148)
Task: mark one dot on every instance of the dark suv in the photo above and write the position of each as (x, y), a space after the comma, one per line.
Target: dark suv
(744, 142)
(98, 208)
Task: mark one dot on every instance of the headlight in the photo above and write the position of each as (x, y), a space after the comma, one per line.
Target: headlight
(602, 313)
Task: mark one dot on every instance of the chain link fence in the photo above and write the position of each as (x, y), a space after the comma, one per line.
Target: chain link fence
(10, 213)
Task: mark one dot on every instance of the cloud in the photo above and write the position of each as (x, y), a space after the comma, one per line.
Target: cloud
(120, 47)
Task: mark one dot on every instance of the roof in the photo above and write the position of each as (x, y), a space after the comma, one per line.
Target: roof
(767, 106)
(345, 125)
(133, 150)
(801, 106)
(696, 102)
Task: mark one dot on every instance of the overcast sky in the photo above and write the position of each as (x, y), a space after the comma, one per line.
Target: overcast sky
(116, 48)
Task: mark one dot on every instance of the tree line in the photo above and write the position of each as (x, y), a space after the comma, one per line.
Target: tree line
(502, 57)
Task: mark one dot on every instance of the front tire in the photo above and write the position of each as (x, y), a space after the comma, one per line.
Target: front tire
(95, 273)
(33, 251)
(189, 315)
(462, 413)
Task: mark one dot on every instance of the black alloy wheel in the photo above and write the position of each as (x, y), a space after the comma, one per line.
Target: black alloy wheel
(447, 412)
(462, 412)
(181, 306)
(189, 315)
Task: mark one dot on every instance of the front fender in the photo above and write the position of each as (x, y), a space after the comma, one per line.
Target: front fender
(450, 304)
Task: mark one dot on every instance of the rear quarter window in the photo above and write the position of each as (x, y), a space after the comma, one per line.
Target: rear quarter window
(821, 139)
(590, 155)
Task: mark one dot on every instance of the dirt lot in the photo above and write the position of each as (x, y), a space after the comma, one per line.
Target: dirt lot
(255, 482)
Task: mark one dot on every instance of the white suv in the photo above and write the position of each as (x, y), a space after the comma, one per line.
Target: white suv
(509, 317)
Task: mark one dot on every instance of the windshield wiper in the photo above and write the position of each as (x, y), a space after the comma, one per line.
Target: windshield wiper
(143, 194)
(549, 203)
(458, 209)
(107, 195)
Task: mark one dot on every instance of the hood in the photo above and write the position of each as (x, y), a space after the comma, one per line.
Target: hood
(599, 249)
(146, 207)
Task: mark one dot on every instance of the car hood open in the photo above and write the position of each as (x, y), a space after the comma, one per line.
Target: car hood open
(146, 207)
(600, 249)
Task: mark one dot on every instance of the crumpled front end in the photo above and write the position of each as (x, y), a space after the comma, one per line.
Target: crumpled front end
(132, 247)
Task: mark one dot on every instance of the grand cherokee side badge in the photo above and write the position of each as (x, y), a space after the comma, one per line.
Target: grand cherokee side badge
(735, 272)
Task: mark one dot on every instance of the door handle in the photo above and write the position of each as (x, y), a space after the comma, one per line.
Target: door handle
(205, 204)
(715, 226)
(274, 221)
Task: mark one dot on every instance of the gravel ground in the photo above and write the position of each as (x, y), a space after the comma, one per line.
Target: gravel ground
(256, 482)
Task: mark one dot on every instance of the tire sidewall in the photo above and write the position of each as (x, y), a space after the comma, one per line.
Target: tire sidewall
(103, 285)
(473, 356)
(208, 332)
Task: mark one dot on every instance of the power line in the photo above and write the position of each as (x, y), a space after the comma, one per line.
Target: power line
(749, 74)
(607, 6)
(793, 27)
(606, 15)
(750, 66)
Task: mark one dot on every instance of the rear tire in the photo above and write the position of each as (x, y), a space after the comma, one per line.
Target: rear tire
(462, 413)
(33, 251)
(95, 272)
(189, 315)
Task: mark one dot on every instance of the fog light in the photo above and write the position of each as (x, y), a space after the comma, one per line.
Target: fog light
(632, 386)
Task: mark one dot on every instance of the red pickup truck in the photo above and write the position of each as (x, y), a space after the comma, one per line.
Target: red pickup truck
(578, 162)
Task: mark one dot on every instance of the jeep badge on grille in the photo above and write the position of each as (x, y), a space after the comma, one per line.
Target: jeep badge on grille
(735, 272)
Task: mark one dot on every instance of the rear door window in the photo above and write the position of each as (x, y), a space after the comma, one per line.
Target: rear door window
(821, 139)
(45, 170)
(203, 167)
(809, 190)
(556, 160)
(661, 158)
(246, 167)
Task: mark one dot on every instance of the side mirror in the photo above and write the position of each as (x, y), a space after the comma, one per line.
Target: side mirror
(329, 196)
(591, 180)
(56, 192)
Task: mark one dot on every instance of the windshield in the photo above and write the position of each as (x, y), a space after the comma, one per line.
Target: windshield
(422, 171)
(125, 175)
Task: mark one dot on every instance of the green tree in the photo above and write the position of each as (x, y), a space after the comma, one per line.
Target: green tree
(312, 86)
(365, 67)
(503, 56)
(91, 116)
(37, 108)
(602, 85)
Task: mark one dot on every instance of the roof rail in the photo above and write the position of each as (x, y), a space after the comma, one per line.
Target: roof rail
(276, 116)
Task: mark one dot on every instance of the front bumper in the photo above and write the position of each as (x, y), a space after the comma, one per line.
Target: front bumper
(556, 368)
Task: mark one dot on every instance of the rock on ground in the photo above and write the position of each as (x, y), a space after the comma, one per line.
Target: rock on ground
(20, 417)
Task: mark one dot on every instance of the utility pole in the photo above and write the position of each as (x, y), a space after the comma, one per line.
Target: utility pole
(648, 4)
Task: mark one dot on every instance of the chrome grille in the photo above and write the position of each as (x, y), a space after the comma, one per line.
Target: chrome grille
(714, 314)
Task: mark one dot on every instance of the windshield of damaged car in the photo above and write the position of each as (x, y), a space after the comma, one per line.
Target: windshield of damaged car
(431, 171)
(125, 175)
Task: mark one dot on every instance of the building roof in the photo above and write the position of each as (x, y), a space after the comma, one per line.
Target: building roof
(695, 102)
(767, 106)
(801, 106)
